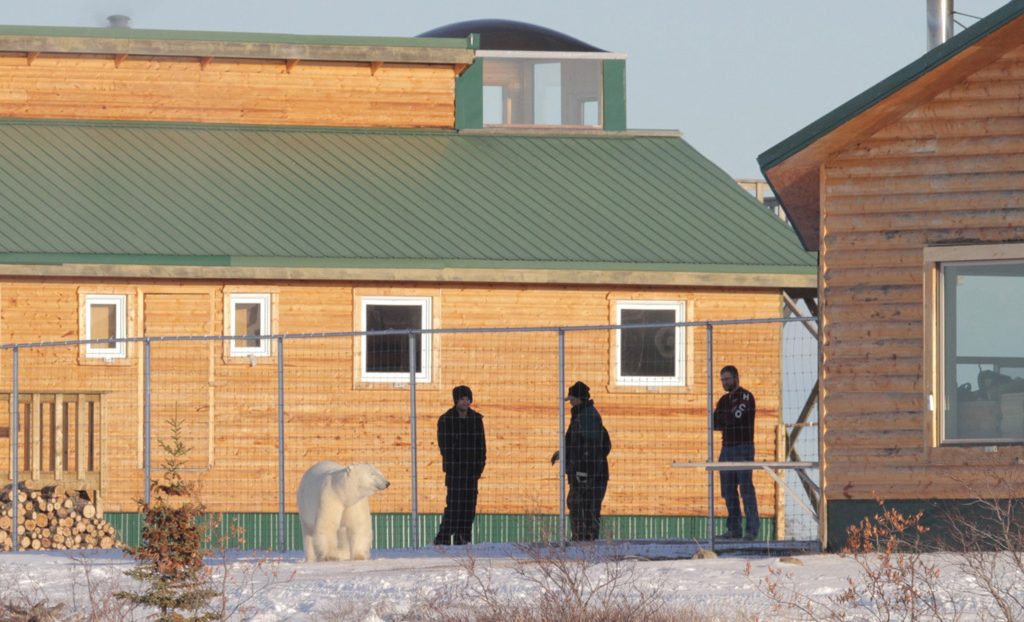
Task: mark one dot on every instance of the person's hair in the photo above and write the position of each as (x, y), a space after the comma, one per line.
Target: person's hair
(462, 391)
(731, 369)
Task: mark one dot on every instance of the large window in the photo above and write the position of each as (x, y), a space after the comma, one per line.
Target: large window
(982, 351)
(249, 319)
(649, 355)
(105, 319)
(386, 357)
(542, 90)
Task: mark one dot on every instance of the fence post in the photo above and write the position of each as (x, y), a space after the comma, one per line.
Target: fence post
(147, 411)
(561, 434)
(711, 432)
(414, 514)
(15, 415)
(280, 446)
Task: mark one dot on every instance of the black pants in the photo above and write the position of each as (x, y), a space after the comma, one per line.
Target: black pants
(459, 510)
(584, 501)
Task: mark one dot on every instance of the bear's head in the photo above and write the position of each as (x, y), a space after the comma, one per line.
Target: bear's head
(368, 479)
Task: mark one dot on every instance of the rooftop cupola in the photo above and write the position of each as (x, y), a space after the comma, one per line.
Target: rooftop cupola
(527, 76)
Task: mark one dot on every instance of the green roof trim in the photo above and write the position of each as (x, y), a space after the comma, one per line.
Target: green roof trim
(469, 97)
(222, 261)
(215, 195)
(234, 37)
(854, 107)
(613, 74)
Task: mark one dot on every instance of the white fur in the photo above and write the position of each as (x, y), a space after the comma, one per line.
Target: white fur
(334, 510)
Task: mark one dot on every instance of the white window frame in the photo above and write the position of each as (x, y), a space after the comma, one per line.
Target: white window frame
(263, 300)
(679, 378)
(120, 349)
(426, 316)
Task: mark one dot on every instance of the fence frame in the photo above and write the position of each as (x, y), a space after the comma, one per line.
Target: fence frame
(711, 465)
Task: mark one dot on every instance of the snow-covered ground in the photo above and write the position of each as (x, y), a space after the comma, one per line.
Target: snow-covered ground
(397, 583)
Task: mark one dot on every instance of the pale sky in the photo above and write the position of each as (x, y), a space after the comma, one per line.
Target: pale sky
(735, 76)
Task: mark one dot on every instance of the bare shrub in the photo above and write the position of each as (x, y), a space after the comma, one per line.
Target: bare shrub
(896, 581)
(989, 536)
(19, 602)
(588, 582)
(94, 595)
(237, 585)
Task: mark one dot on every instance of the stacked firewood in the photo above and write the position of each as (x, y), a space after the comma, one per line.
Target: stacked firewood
(54, 518)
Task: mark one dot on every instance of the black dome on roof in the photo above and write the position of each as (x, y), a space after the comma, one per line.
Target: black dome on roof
(506, 34)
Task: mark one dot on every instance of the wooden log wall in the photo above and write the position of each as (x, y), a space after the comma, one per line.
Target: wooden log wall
(229, 404)
(227, 91)
(949, 172)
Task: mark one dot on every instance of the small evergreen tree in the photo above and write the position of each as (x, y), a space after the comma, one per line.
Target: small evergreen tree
(174, 579)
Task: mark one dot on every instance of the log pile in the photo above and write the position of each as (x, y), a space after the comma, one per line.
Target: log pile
(54, 518)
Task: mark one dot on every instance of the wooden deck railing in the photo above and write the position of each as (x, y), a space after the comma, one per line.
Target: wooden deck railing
(59, 442)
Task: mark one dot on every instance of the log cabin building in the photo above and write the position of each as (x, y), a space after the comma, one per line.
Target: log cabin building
(913, 195)
(159, 183)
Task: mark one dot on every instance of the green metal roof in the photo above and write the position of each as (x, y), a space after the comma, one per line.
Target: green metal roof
(935, 57)
(137, 193)
(52, 32)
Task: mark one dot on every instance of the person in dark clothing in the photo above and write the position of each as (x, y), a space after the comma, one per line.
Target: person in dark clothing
(460, 437)
(734, 417)
(587, 446)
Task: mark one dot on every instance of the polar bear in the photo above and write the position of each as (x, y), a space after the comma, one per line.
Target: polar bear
(334, 510)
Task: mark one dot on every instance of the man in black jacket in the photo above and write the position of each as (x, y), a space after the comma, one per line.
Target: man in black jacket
(587, 446)
(460, 437)
(734, 417)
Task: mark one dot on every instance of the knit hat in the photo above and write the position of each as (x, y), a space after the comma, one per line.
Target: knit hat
(579, 390)
(462, 391)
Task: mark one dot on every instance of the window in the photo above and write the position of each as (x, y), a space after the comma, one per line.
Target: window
(547, 94)
(105, 319)
(982, 351)
(249, 317)
(386, 357)
(494, 105)
(652, 355)
(591, 112)
(541, 89)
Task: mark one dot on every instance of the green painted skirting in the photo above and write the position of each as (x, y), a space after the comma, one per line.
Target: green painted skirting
(259, 531)
(938, 515)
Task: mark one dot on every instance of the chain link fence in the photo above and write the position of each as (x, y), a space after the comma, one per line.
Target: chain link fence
(256, 412)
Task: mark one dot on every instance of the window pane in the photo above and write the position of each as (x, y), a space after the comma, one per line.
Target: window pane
(648, 351)
(247, 322)
(547, 93)
(591, 113)
(103, 324)
(984, 351)
(494, 105)
(390, 353)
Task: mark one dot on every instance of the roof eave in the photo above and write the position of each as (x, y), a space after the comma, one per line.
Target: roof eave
(261, 50)
(208, 268)
(793, 166)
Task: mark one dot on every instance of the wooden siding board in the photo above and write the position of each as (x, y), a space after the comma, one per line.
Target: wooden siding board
(228, 91)
(950, 172)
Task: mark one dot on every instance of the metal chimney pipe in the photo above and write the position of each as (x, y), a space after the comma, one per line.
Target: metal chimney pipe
(118, 21)
(940, 22)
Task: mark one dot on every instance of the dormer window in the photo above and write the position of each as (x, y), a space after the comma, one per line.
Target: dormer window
(541, 89)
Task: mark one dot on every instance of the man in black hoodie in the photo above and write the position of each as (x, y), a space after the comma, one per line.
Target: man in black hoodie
(587, 446)
(734, 417)
(460, 437)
